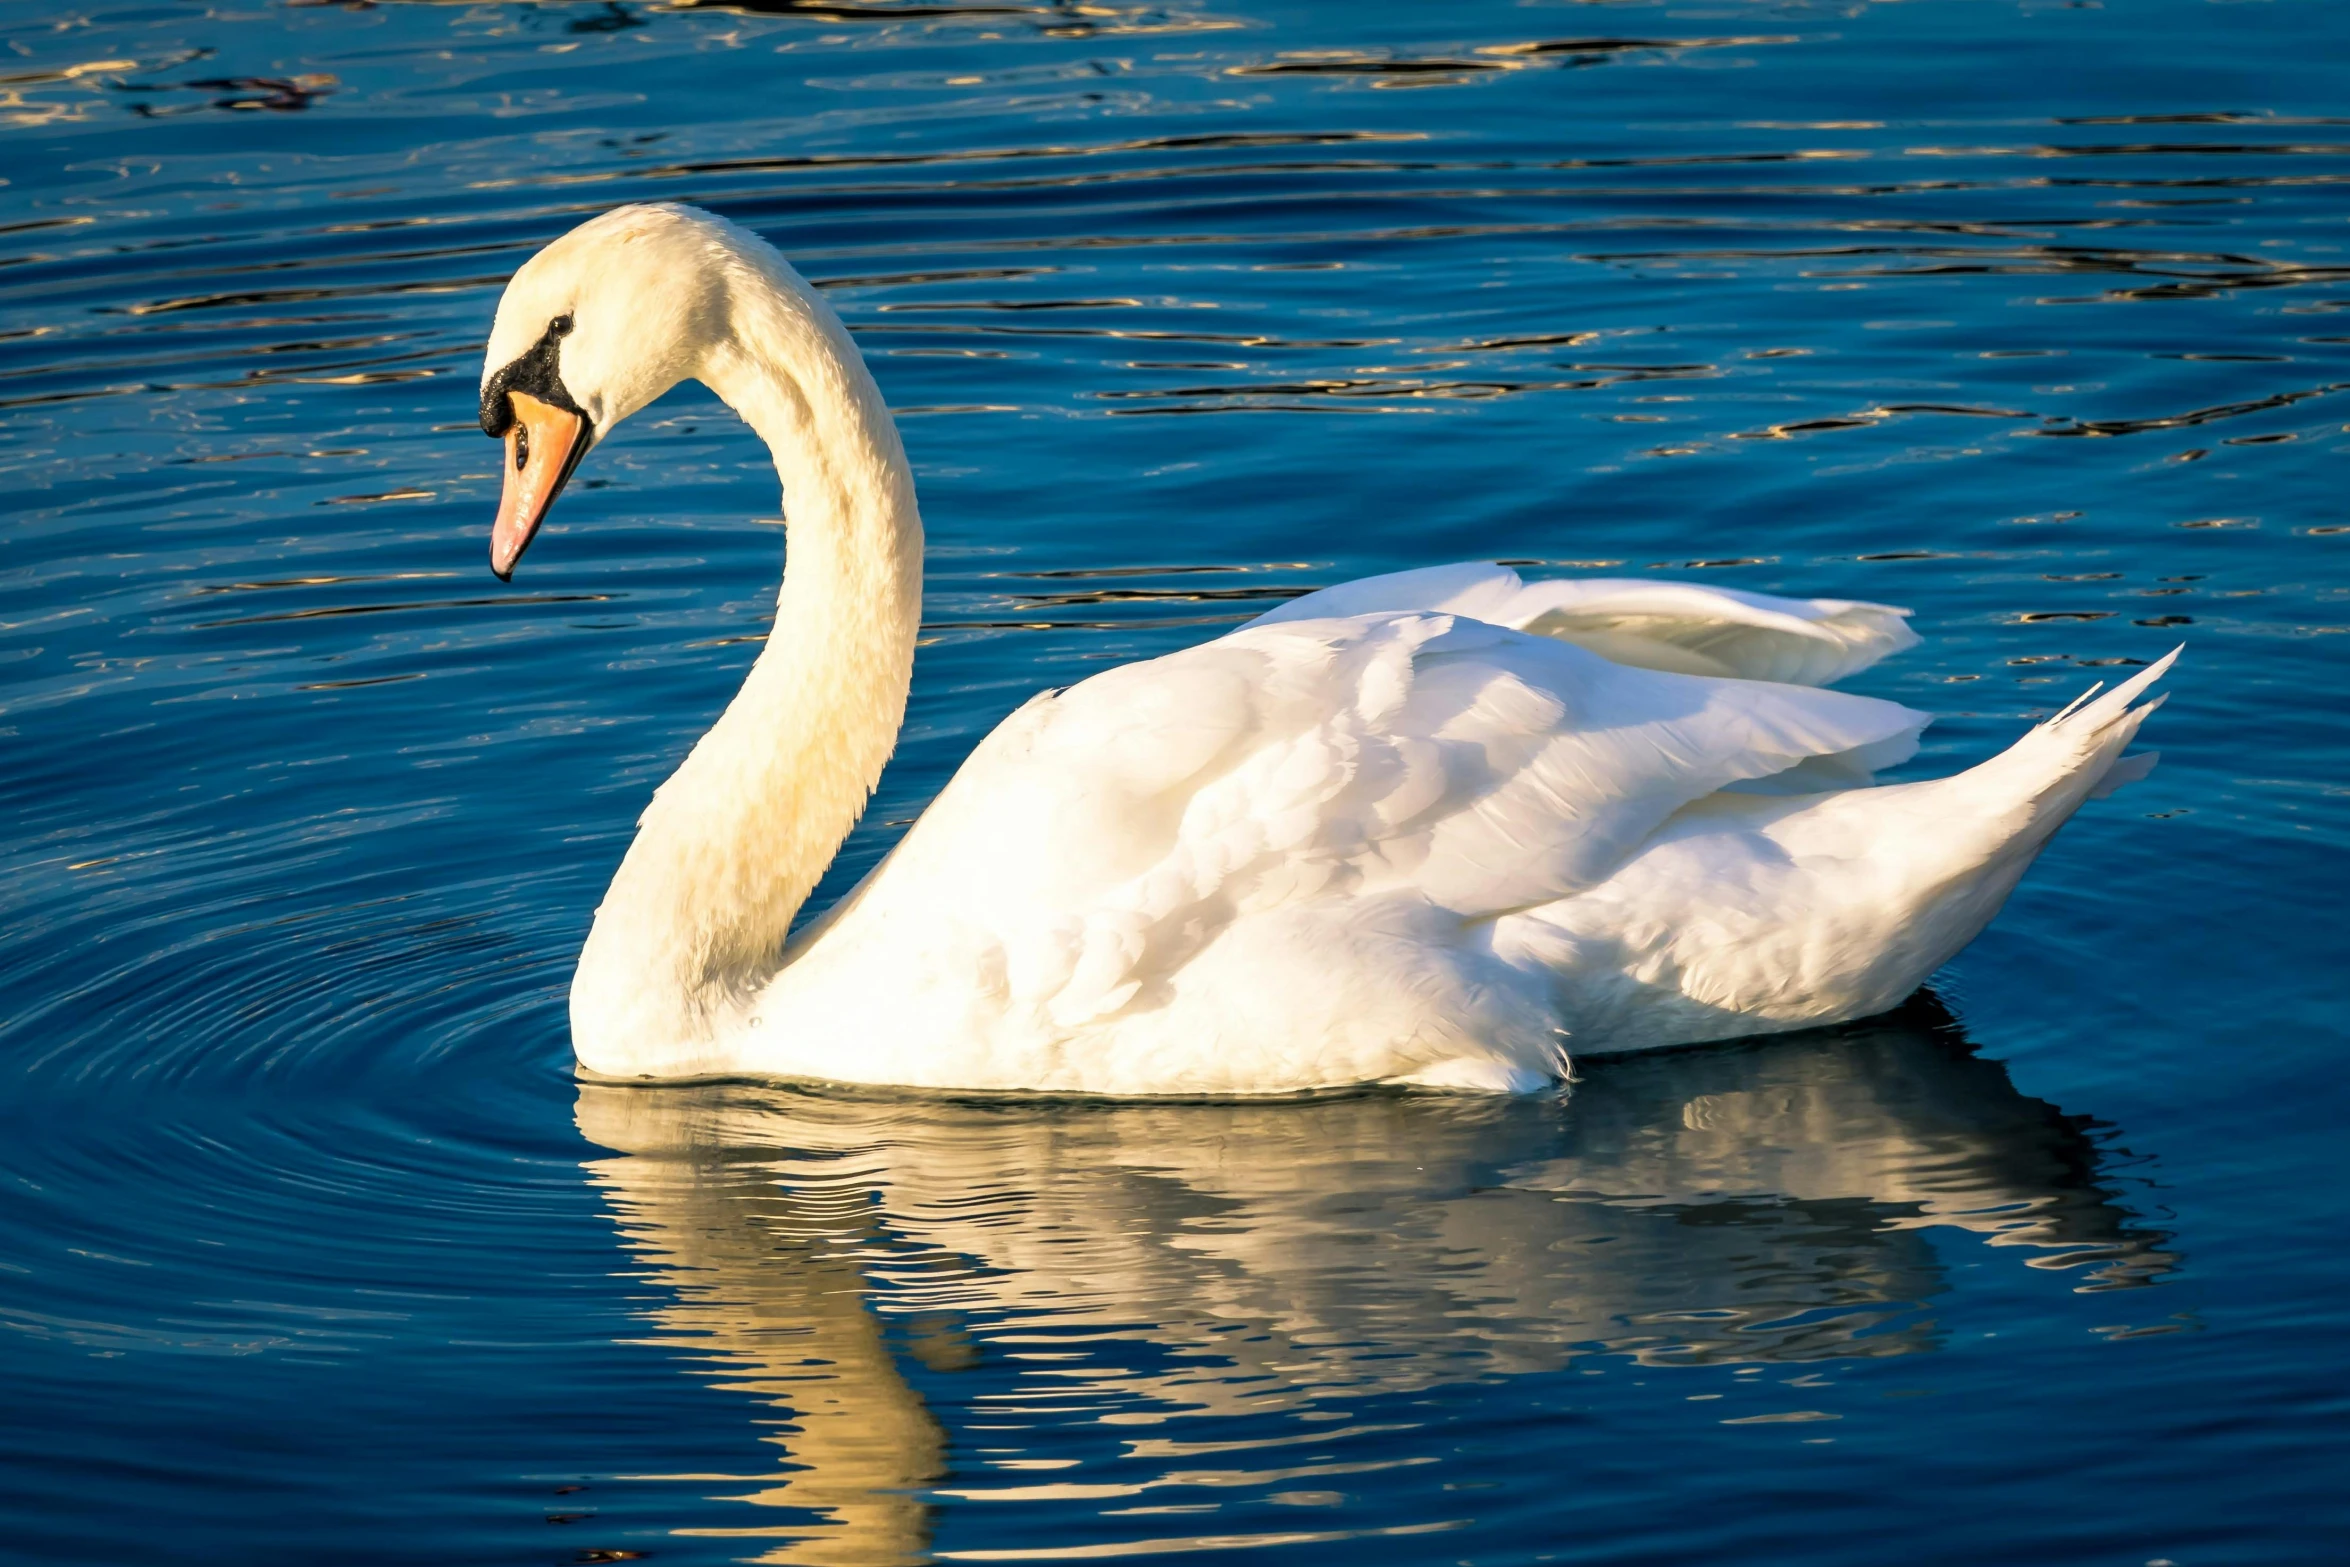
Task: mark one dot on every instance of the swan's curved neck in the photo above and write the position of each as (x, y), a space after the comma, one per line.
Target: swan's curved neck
(732, 844)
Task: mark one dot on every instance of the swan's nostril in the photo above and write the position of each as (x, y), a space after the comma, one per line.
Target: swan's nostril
(521, 447)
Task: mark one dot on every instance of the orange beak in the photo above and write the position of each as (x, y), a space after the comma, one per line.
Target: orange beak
(543, 445)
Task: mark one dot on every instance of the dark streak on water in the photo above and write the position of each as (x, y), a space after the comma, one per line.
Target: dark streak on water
(2027, 315)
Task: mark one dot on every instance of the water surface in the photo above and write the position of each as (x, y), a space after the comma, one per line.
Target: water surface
(2033, 317)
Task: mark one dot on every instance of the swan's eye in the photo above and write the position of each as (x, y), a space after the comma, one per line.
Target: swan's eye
(521, 446)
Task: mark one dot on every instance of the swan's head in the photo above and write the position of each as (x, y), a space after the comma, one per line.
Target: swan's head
(593, 328)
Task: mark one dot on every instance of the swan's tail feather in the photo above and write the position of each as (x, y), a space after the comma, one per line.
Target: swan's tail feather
(2126, 770)
(2077, 755)
(2114, 705)
(2076, 703)
(2103, 726)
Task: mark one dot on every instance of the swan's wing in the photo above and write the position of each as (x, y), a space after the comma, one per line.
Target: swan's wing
(1678, 626)
(1105, 834)
(1475, 588)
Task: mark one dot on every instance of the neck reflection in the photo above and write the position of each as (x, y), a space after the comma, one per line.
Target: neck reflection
(1767, 1203)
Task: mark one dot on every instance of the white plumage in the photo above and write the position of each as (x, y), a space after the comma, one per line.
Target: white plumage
(1442, 827)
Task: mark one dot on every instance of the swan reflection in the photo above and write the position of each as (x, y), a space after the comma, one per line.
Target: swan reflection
(1131, 1263)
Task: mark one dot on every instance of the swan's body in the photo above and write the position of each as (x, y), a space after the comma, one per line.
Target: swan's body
(1440, 827)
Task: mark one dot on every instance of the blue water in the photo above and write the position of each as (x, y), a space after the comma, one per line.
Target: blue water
(2034, 317)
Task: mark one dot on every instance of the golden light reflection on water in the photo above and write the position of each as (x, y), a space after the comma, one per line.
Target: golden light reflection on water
(1130, 1265)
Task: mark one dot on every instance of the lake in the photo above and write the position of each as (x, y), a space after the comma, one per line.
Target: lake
(2032, 317)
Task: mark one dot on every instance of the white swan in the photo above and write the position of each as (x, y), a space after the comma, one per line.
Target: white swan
(1413, 829)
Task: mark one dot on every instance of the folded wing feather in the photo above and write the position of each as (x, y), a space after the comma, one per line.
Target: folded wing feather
(1444, 760)
(1678, 626)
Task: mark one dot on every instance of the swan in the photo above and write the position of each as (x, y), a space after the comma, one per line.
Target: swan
(1438, 828)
